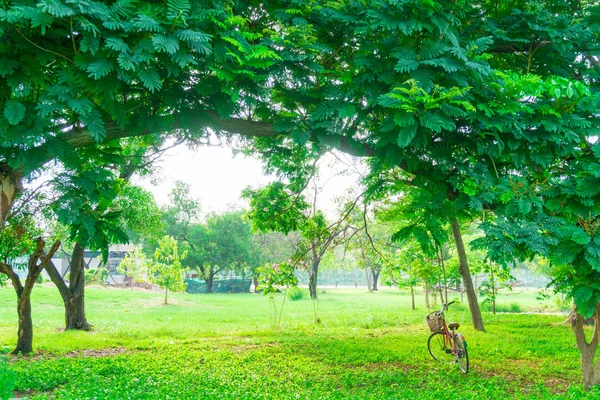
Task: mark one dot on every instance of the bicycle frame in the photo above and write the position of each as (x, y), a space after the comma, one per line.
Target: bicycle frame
(449, 335)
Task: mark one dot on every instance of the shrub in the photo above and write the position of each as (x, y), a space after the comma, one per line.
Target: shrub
(295, 294)
(515, 308)
(502, 308)
(7, 380)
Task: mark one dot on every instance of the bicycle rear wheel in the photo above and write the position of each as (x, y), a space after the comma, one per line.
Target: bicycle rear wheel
(462, 356)
(439, 348)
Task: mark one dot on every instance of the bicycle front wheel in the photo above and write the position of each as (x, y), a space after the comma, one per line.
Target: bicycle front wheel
(462, 356)
(439, 348)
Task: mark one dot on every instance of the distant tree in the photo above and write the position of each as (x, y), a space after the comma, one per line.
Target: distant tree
(166, 269)
(134, 266)
(271, 278)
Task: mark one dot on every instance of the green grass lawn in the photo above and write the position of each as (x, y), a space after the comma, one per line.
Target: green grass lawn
(368, 346)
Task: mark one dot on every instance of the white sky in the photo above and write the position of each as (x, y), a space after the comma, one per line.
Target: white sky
(217, 177)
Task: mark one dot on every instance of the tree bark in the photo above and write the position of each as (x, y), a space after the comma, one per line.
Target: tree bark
(75, 310)
(25, 330)
(73, 296)
(369, 283)
(375, 274)
(209, 282)
(312, 278)
(427, 296)
(587, 351)
(10, 186)
(255, 280)
(412, 295)
(463, 268)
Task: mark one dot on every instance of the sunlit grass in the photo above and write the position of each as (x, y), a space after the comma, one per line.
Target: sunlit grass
(222, 346)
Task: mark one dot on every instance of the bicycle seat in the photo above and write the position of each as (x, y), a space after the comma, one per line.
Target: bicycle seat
(453, 325)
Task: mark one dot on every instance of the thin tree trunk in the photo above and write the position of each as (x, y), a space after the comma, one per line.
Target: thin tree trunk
(441, 291)
(209, 283)
(463, 268)
(255, 280)
(312, 278)
(25, 330)
(427, 296)
(587, 351)
(412, 295)
(375, 279)
(369, 283)
(493, 288)
(444, 272)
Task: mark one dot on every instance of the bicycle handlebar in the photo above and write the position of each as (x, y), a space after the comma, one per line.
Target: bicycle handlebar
(445, 306)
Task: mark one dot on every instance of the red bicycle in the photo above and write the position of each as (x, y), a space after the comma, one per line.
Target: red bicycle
(445, 344)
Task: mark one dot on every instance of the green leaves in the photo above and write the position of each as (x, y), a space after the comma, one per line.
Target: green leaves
(406, 135)
(14, 112)
(166, 43)
(150, 79)
(93, 122)
(100, 68)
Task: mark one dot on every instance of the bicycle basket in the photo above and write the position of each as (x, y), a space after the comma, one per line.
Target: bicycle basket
(435, 320)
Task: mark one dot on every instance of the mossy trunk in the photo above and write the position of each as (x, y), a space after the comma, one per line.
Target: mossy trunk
(465, 273)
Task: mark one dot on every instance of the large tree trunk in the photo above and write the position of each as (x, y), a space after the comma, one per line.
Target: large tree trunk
(587, 351)
(312, 278)
(369, 283)
(463, 269)
(10, 186)
(73, 295)
(375, 274)
(75, 310)
(25, 333)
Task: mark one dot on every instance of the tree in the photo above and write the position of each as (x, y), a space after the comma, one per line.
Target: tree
(18, 240)
(283, 207)
(134, 266)
(463, 95)
(98, 209)
(557, 217)
(271, 278)
(223, 242)
(274, 248)
(166, 269)
(424, 213)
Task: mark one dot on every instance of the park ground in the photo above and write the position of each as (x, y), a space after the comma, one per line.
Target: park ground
(367, 346)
